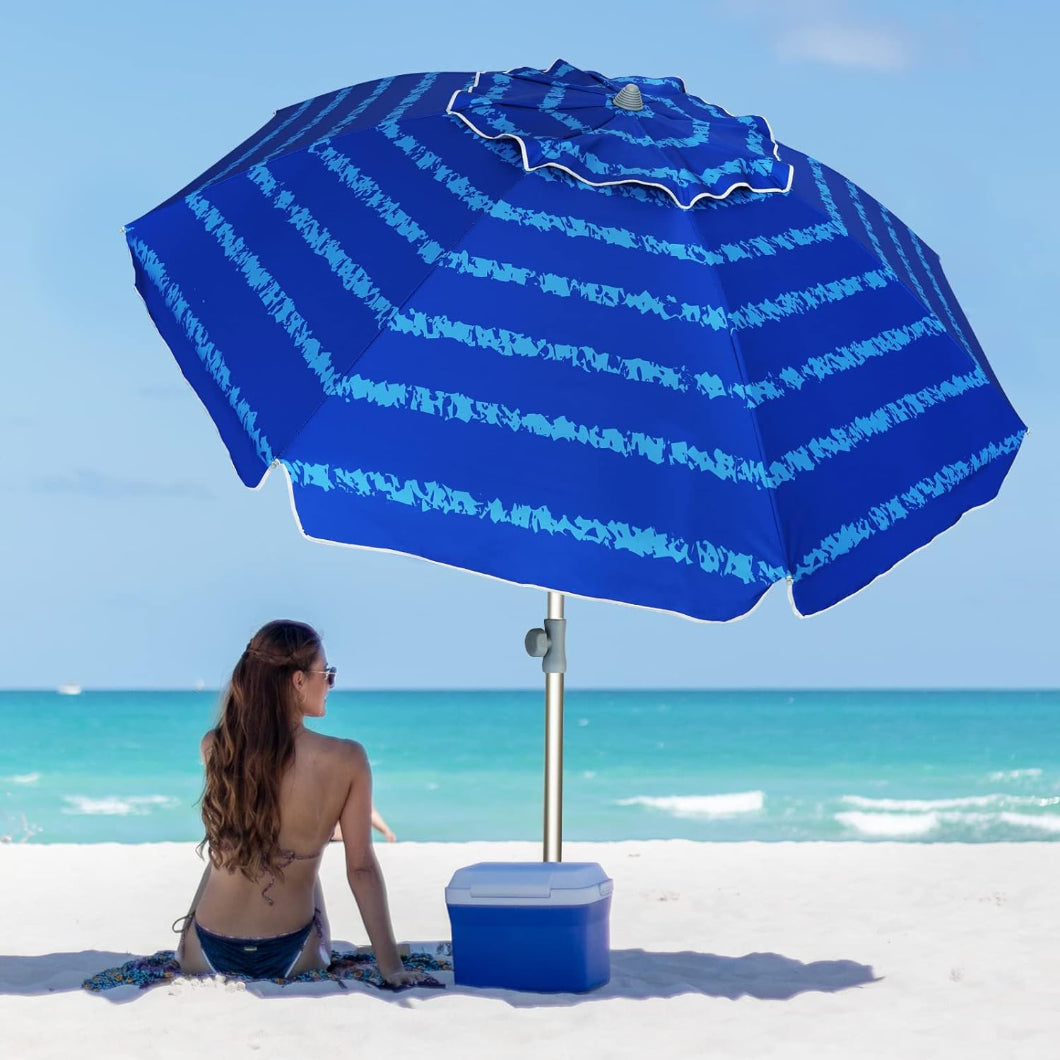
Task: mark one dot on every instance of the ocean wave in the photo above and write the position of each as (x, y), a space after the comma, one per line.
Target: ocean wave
(21, 778)
(1045, 822)
(890, 825)
(957, 803)
(115, 806)
(701, 805)
(1016, 774)
(920, 825)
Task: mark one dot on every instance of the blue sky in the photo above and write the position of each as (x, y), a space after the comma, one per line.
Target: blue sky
(130, 555)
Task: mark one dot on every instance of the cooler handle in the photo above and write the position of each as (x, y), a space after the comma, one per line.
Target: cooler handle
(510, 890)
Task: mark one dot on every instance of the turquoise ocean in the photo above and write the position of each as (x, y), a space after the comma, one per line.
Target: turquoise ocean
(914, 766)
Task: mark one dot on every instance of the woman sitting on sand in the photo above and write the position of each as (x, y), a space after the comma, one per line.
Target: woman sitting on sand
(274, 793)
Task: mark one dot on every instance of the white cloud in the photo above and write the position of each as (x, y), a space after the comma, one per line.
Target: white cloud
(851, 46)
(831, 32)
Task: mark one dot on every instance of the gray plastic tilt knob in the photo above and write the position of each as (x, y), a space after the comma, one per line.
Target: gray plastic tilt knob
(537, 643)
(549, 645)
(629, 98)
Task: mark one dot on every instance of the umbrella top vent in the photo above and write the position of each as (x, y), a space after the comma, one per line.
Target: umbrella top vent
(628, 130)
(629, 98)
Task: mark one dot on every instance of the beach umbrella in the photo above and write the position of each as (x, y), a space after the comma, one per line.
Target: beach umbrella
(590, 334)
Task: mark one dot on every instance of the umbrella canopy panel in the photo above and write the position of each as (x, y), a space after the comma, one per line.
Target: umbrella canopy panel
(595, 389)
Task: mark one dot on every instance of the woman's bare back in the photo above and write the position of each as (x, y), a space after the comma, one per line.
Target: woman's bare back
(313, 793)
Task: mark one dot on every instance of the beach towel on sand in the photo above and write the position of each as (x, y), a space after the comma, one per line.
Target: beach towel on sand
(161, 967)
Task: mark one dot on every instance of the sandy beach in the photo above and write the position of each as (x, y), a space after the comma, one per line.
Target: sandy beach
(725, 950)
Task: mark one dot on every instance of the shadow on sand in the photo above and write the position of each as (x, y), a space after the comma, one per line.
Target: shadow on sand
(54, 973)
(634, 974)
(644, 974)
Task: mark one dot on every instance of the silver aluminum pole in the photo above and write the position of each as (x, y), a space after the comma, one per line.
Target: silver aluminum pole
(554, 749)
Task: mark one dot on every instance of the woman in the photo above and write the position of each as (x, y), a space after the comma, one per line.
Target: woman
(274, 793)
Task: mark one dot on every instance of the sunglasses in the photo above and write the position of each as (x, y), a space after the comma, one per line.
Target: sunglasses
(329, 673)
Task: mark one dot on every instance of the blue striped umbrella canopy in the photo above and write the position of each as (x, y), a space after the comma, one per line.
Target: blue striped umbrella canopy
(611, 341)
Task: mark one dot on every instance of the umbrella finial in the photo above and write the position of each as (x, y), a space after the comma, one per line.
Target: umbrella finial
(629, 98)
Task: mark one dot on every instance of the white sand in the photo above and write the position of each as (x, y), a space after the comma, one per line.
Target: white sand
(718, 950)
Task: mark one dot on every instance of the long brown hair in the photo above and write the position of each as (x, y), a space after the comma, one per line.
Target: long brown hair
(252, 747)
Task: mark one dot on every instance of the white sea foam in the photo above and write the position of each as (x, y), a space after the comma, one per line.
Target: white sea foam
(701, 805)
(25, 829)
(915, 825)
(1016, 774)
(21, 778)
(892, 825)
(963, 802)
(114, 806)
(1045, 822)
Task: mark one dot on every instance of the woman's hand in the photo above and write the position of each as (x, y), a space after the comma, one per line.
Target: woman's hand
(400, 976)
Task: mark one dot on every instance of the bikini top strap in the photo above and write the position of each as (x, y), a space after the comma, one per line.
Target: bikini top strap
(286, 858)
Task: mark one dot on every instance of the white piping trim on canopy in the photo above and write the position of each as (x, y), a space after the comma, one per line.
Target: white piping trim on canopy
(600, 599)
(610, 183)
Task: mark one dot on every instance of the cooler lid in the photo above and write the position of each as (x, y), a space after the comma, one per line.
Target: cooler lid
(528, 883)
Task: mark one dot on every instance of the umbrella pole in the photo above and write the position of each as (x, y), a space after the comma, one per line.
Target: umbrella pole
(549, 645)
(553, 845)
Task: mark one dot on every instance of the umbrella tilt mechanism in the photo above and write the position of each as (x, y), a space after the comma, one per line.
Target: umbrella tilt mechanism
(549, 645)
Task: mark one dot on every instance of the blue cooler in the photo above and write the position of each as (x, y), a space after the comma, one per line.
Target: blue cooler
(537, 925)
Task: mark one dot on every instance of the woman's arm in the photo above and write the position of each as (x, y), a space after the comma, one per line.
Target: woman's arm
(189, 918)
(377, 823)
(204, 749)
(381, 826)
(363, 872)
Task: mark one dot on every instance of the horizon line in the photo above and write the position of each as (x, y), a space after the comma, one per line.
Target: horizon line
(73, 689)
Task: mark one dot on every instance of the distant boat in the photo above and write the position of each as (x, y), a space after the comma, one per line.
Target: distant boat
(69, 690)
